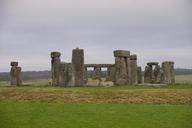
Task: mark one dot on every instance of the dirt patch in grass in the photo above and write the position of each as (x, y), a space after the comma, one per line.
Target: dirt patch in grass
(135, 96)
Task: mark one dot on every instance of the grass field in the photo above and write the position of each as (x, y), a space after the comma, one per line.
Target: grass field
(96, 107)
(37, 105)
(183, 78)
(61, 115)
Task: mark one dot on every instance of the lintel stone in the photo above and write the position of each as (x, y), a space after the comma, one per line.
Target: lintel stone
(55, 54)
(133, 57)
(152, 63)
(121, 53)
(14, 63)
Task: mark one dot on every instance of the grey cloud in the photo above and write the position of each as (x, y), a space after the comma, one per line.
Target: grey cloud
(155, 30)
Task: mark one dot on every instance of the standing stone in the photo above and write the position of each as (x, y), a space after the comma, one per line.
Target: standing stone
(111, 73)
(157, 72)
(168, 72)
(148, 74)
(121, 71)
(62, 76)
(19, 81)
(159, 79)
(78, 67)
(133, 64)
(97, 73)
(128, 63)
(139, 75)
(85, 75)
(55, 68)
(151, 64)
(69, 81)
(15, 74)
(121, 67)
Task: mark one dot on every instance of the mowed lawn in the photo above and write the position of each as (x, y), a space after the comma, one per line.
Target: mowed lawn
(71, 115)
(96, 107)
(183, 78)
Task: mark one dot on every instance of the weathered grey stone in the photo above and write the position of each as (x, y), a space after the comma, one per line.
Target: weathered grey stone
(121, 76)
(148, 74)
(168, 72)
(14, 63)
(93, 83)
(96, 73)
(69, 81)
(106, 83)
(55, 54)
(111, 74)
(19, 81)
(15, 74)
(78, 67)
(133, 57)
(99, 65)
(139, 75)
(152, 63)
(133, 67)
(62, 75)
(156, 72)
(85, 75)
(55, 68)
(121, 53)
(159, 79)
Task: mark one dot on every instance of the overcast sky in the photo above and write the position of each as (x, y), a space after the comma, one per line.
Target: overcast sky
(155, 30)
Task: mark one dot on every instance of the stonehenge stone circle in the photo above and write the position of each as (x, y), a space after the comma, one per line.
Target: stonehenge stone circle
(15, 74)
(124, 71)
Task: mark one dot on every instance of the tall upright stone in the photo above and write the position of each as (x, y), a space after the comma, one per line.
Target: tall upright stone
(97, 73)
(160, 78)
(69, 81)
(168, 72)
(111, 73)
(148, 74)
(133, 65)
(151, 72)
(55, 68)
(85, 75)
(78, 67)
(156, 73)
(15, 74)
(121, 67)
(63, 74)
(139, 75)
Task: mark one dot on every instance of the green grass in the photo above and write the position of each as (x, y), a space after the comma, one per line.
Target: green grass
(183, 78)
(61, 115)
(134, 106)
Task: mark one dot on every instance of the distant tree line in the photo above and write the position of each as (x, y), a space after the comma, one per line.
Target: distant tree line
(28, 75)
(182, 71)
(35, 75)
